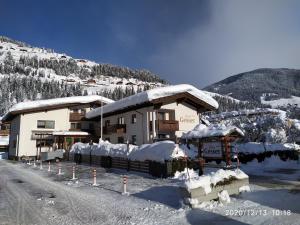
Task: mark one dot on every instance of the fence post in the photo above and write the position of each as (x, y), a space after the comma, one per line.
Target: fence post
(59, 169)
(73, 172)
(94, 177)
(125, 185)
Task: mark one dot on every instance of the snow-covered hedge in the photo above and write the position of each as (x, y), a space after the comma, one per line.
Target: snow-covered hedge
(159, 151)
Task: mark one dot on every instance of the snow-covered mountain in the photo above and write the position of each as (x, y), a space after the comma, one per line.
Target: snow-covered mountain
(271, 84)
(29, 73)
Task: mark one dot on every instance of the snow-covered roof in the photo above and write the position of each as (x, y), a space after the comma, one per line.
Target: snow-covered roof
(31, 105)
(154, 94)
(70, 133)
(219, 130)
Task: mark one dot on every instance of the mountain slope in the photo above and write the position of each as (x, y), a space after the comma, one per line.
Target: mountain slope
(30, 73)
(261, 84)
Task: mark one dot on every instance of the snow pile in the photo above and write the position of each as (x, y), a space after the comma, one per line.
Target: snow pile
(224, 197)
(213, 130)
(212, 179)
(150, 95)
(258, 147)
(245, 188)
(104, 148)
(159, 151)
(185, 174)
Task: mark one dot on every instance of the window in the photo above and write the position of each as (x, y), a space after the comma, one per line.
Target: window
(121, 120)
(91, 126)
(75, 110)
(161, 116)
(133, 139)
(49, 124)
(75, 126)
(120, 140)
(107, 123)
(133, 118)
(44, 143)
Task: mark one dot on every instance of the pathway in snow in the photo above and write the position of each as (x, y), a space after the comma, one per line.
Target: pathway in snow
(32, 196)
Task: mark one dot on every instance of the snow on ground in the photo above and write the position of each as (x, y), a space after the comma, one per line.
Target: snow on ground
(282, 102)
(148, 96)
(26, 190)
(159, 151)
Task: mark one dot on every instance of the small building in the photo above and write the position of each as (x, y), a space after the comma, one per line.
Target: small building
(213, 141)
(158, 114)
(46, 125)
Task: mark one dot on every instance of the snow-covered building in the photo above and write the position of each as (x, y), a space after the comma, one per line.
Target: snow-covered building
(157, 114)
(45, 125)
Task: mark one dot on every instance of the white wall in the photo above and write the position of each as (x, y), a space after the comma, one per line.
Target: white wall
(185, 114)
(27, 146)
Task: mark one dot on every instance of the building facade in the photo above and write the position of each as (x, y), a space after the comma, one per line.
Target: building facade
(47, 125)
(158, 114)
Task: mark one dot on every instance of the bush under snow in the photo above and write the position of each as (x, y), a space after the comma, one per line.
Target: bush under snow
(159, 151)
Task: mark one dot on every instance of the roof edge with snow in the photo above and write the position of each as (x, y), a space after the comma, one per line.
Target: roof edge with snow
(50, 104)
(184, 92)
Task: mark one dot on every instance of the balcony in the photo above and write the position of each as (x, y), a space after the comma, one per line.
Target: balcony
(165, 125)
(4, 132)
(74, 117)
(116, 128)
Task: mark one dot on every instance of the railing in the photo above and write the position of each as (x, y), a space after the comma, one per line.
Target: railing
(116, 128)
(76, 117)
(165, 125)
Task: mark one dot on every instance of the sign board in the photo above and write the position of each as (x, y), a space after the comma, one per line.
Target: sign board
(212, 150)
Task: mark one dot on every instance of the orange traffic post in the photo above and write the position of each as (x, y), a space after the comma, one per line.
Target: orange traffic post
(125, 185)
(94, 177)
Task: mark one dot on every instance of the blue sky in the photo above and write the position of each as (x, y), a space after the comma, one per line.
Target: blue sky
(191, 41)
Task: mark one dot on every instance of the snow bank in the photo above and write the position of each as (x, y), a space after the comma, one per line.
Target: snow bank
(104, 148)
(208, 181)
(258, 147)
(159, 151)
(150, 95)
(213, 130)
(224, 197)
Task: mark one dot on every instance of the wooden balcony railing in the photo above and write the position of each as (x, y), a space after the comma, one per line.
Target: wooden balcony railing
(4, 132)
(165, 125)
(116, 128)
(76, 117)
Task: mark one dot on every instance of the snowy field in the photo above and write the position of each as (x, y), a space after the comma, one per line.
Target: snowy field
(29, 195)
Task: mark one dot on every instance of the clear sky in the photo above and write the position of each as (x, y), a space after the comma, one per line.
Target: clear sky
(184, 41)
